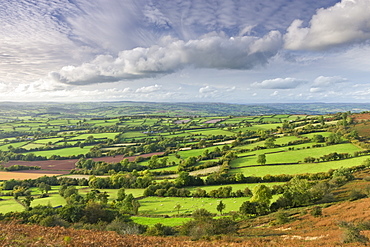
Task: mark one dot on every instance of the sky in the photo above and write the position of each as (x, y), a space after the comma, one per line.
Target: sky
(232, 51)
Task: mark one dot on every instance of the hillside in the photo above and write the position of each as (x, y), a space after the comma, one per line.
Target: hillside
(305, 231)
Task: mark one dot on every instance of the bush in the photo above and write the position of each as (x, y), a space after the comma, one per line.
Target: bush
(206, 227)
(201, 214)
(160, 230)
(281, 217)
(352, 233)
(53, 220)
(356, 194)
(364, 225)
(316, 211)
(123, 227)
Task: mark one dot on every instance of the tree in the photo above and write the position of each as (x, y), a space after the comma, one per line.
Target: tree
(178, 207)
(318, 138)
(297, 192)
(121, 194)
(270, 142)
(261, 194)
(43, 187)
(127, 202)
(220, 207)
(183, 179)
(261, 159)
(248, 208)
(135, 206)
(27, 202)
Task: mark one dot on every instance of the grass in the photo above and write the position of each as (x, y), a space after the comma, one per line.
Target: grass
(9, 205)
(149, 221)
(14, 145)
(166, 205)
(292, 156)
(299, 168)
(45, 141)
(96, 136)
(63, 152)
(113, 192)
(234, 186)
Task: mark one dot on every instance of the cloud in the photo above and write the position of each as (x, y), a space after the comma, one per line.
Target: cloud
(327, 81)
(149, 89)
(207, 90)
(323, 83)
(213, 92)
(346, 22)
(210, 51)
(279, 83)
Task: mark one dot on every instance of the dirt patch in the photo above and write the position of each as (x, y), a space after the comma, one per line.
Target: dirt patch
(214, 121)
(69, 164)
(361, 117)
(222, 143)
(182, 121)
(26, 175)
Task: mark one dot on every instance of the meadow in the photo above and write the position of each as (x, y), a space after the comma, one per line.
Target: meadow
(244, 137)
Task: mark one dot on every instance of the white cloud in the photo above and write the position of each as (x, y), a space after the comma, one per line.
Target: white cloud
(344, 23)
(316, 90)
(149, 89)
(327, 81)
(211, 51)
(279, 83)
(207, 90)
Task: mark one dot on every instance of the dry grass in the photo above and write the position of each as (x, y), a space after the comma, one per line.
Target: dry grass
(26, 175)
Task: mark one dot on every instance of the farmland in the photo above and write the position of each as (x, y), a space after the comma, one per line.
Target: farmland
(162, 169)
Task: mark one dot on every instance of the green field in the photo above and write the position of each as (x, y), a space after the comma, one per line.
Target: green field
(166, 205)
(299, 168)
(65, 152)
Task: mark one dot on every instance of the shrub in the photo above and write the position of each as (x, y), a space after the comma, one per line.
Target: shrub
(364, 225)
(281, 217)
(352, 233)
(316, 211)
(53, 220)
(160, 230)
(123, 227)
(206, 227)
(356, 194)
(201, 214)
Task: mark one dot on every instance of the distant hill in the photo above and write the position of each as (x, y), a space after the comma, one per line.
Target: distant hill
(124, 108)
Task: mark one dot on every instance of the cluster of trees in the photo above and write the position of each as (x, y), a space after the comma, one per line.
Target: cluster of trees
(91, 167)
(53, 180)
(19, 168)
(328, 157)
(119, 180)
(297, 192)
(90, 211)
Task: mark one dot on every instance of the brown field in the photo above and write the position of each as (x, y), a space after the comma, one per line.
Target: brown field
(361, 117)
(363, 130)
(214, 121)
(57, 167)
(26, 175)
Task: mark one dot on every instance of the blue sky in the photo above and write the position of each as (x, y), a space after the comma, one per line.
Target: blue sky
(230, 51)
